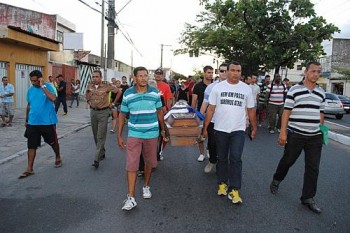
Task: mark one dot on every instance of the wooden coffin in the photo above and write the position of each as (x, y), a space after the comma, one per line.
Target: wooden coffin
(184, 131)
(183, 120)
(183, 141)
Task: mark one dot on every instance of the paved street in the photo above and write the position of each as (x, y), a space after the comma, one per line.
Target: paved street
(78, 198)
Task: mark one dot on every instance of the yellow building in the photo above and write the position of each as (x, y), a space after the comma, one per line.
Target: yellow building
(22, 52)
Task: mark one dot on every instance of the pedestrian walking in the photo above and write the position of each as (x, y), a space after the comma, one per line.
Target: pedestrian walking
(143, 105)
(274, 99)
(7, 91)
(61, 95)
(300, 130)
(229, 102)
(211, 165)
(262, 108)
(197, 100)
(41, 120)
(75, 87)
(98, 98)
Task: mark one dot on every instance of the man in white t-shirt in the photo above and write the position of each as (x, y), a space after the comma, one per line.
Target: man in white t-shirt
(231, 100)
(211, 165)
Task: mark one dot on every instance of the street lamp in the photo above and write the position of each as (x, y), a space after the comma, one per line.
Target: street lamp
(161, 54)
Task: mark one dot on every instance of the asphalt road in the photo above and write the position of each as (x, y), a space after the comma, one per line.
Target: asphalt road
(77, 198)
(344, 121)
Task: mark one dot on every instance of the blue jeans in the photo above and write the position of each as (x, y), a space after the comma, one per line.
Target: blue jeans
(312, 146)
(229, 147)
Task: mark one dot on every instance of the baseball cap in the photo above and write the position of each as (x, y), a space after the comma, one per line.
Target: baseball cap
(159, 70)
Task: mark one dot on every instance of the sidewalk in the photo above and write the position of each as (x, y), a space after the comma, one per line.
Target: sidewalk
(14, 144)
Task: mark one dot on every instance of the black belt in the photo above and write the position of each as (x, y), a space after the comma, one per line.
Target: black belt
(99, 109)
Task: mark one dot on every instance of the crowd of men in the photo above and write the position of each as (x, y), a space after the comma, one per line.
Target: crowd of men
(231, 103)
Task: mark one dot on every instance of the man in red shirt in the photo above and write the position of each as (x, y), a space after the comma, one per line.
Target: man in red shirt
(190, 88)
(164, 90)
(167, 99)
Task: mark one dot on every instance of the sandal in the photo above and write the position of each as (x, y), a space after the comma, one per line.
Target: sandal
(58, 163)
(26, 174)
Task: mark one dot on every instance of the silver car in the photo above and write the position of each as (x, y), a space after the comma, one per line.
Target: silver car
(333, 106)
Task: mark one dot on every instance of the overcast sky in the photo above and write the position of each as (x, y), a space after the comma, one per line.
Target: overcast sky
(150, 23)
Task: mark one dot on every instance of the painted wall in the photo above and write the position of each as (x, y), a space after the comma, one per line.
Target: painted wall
(31, 21)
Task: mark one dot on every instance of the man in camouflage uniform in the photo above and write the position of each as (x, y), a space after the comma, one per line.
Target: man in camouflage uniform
(98, 98)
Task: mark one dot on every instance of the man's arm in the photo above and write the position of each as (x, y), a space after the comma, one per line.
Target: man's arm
(160, 116)
(321, 118)
(207, 120)
(282, 139)
(252, 119)
(121, 121)
(194, 101)
(204, 107)
(27, 114)
(46, 91)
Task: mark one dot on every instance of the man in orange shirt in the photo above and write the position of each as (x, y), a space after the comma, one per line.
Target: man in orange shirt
(167, 99)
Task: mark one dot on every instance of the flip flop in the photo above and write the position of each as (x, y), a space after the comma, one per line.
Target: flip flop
(26, 174)
(58, 163)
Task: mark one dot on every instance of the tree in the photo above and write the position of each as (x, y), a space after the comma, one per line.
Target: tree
(268, 33)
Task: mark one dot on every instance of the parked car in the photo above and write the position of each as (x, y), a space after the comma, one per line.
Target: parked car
(346, 102)
(333, 106)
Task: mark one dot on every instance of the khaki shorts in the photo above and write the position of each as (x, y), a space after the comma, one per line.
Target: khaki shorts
(7, 109)
(135, 146)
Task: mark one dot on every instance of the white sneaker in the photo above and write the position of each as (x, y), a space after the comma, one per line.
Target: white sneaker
(278, 130)
(201, 158)
(129, 203)
(146, 192)
(209, 167)
(272, 131)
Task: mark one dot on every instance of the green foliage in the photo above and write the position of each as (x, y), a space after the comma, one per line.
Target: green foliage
(272, 33)
(344, 72)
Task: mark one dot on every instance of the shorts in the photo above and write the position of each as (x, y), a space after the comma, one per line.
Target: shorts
(35, 132)
(7, 109)
(135, 146)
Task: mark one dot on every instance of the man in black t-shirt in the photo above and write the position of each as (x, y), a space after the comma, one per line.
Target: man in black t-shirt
(197, 100)
(61, 95)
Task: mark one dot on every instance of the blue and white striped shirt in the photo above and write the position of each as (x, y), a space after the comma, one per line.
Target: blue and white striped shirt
(142, 109)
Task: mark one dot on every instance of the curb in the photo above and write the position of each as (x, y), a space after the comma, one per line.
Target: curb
(339, 138)
(24, 152)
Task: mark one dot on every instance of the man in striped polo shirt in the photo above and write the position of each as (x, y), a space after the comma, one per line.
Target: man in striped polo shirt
(274, 99)
(144, 106)
(300, 130)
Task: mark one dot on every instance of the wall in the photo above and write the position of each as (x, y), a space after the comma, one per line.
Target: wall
(31, 21)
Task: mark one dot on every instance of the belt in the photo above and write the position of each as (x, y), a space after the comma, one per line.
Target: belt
(99, 109)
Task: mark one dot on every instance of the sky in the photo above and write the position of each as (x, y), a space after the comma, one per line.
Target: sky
(150, 23)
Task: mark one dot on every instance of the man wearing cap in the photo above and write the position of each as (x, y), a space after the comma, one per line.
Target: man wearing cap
(41, 120)
(97, 96)
(167, 99)
(164, 89)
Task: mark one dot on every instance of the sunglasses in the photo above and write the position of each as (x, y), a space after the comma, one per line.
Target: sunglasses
(222, 71)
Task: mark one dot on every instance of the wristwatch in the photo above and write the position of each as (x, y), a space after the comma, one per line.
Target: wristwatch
(43, 86)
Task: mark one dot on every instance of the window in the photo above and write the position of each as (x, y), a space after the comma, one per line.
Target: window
(299, 67)
(59, 36)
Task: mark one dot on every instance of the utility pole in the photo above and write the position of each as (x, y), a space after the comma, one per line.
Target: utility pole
(161, 54)
(103, 35)
(111, 25)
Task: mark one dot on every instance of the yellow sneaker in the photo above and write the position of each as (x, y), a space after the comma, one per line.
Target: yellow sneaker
(222, 190)
(234, 196)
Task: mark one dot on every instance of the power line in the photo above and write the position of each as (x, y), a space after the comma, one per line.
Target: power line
(89, 6)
